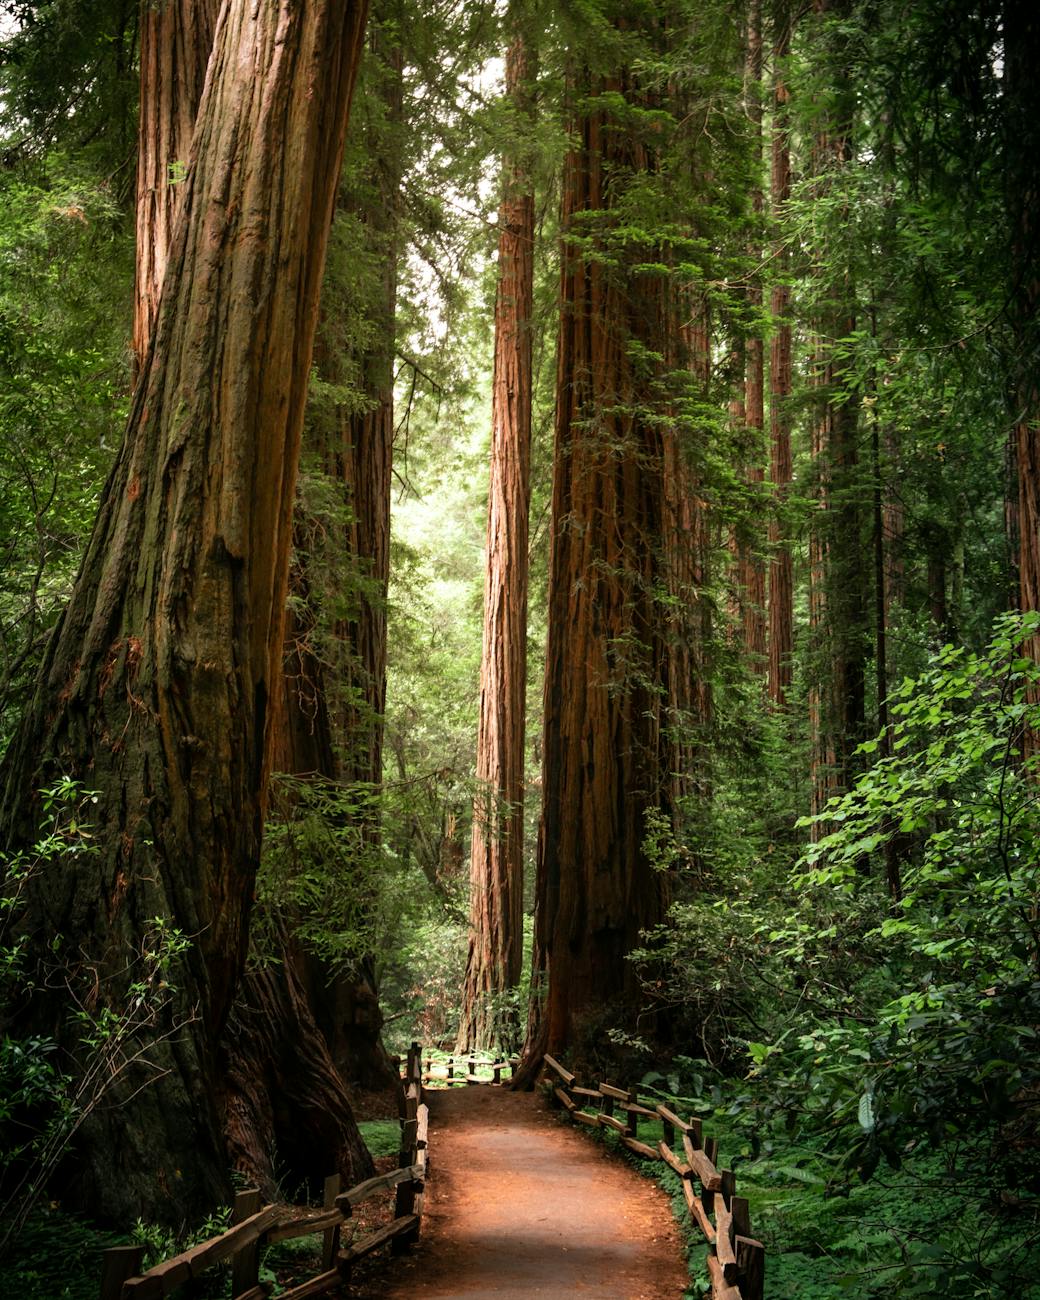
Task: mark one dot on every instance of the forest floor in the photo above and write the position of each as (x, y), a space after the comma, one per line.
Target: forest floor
(518, 1205)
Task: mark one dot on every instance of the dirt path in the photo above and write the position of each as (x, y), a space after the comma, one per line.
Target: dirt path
(519, 1205)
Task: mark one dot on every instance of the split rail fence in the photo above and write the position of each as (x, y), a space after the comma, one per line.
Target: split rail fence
(463, 1069)
(736, 1263)
(254, 1225)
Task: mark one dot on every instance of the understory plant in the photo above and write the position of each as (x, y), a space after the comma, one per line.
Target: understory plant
(48, 1090)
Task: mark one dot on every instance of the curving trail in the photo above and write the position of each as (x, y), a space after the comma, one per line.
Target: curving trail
(519, 1205)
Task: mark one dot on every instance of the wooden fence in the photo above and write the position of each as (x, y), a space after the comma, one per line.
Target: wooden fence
(254, 1225)
(736, 1263)
(463, 1069)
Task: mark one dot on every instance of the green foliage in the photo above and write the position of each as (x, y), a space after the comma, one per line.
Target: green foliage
(46, 1093)
(933, 999)
(57, 1257)
(64, 274)
(381, 1136)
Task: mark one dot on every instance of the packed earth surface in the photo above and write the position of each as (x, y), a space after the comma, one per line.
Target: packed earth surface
(519, 1205)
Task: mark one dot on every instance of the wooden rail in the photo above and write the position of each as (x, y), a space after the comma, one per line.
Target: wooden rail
(736, 1262)
(254, 1225)
(463, 1069)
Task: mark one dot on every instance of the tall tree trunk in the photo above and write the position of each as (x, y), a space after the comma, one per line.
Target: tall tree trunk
(605, 765)
(155, 686)
(358, 457)
(839, 553)
(781, 574)
(894, 523)
(753, 575)
(1021, 49)
(496, 935)
(176, 40)
(329, 719)
(688, 548)
(288, 1118)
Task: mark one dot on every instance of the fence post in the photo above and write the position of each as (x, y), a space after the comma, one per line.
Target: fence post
(751, 1262)
(668, 1132)
(330, 1242)
(245, 1265)
(118, 1265)
(405, 1200)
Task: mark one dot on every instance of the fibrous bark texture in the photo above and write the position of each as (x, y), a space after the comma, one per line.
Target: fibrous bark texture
(287, 1115)
(329, 716)
(496, 853)
(176, 40)
(781, 576)
(840, 571)
(752, 574)
(1022, 44)
(605, 764)
(155, 688)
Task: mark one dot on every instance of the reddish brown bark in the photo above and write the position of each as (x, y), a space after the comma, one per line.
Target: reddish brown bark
(841, 572)
(605, 763)
(155, 687)
(330, 721)
(359, 457)
(287, 1114)
(1022, 44)
(752, 576)
(175, 43)
(781, 576)
(496, 852)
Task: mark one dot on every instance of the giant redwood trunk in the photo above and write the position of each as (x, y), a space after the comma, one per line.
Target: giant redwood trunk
(752, 575)
(840, 570)
(155, 687)
(781, 575)
(175, 43)
(496, 852)
(287, 1114)
(357, 453)
(330, 715)
(605, 765)
(1022, 46)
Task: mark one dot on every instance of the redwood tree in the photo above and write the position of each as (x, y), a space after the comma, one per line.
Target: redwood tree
(1022, 179)
(752, 571)
(840, 570)
(155, 688)
(331, 713)
(176, 38)
(605, 765)
(781, 575)
(496, 855)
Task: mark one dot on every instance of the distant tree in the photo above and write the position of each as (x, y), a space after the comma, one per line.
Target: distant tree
(155, 689)
(1021, 23)
(751, 576)
(781, 575)
(840, 570)
(606, 761)
(496, 936)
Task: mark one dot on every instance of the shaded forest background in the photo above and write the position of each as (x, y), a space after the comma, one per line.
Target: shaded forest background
(740, 300)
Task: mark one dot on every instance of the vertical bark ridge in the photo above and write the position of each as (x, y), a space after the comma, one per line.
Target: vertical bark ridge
(606, 686)
(753, 569)
(155, 686)
(493, 963)
(176, 38)
(781, 574)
